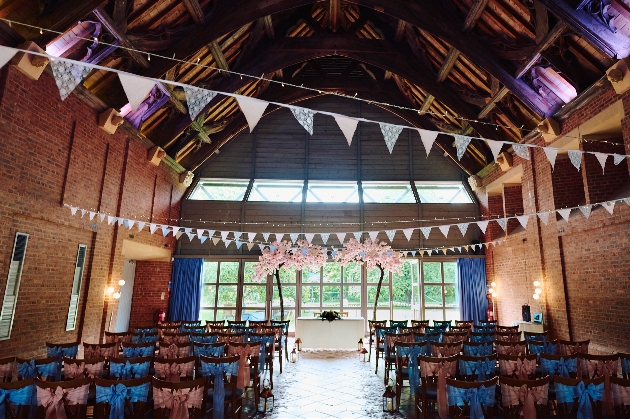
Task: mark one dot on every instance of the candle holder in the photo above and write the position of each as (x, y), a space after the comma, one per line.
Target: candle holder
(389, 399)
(267, 399)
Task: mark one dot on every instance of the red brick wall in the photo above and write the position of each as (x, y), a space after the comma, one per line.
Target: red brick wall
(600, 185)
(151, 280)
(53, 153)
(568, 186)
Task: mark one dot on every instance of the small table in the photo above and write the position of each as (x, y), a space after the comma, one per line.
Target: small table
(338, 334)
(530, 327)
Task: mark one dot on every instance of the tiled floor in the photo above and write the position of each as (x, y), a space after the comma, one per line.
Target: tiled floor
(331, 384)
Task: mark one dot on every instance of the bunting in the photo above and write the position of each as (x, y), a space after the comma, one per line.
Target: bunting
(390, 133)
(565, 213)
(428, 138)
(425, 232)
(197, 99)
(461, 143)
(304, 116)
(373, 235)
(463, 228)
(68, 75)
(502, 222)
(551, 154)
(576, 158)
(586, 210)
(309, 237)
(390, 235)
(601, 158)
(294, 237)
(324, 237)
(408, 232)
(610, 206)
(495, 147)
(521, 150)
(618, 158)
(252, 108)
(523, 219)
(136, 88)
(544, 217)
(357, 235)
(483, 225)
(6, 54)
(347, 125)
(444, 229)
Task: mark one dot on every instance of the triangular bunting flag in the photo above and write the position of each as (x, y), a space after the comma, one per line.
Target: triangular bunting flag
(178, 234)
(627, 201)
(279, 236)
(83, 212)
(618, 158)
(483, 225)
(408, 232)
(390, 133)
(294, 237)
(565, 212)
(152, 228)
(250, 246)
(197, 99)
(238, 244)
(304, 116)
(521, 150)
(202, 239)
(610, 206)
(210, 233)
(187, 230)
(165, 231)
(601, 158)
(272, 248)
(544, 217)
(6, 54)
(373, 235)
(266, 236)
(136, 88)
(586, 210)
(224, 235)
(444, 229)
(357, 235)
(324, 237)
(551, 154)
(215, 240)
(141, 225)
(523, 219)
(68, 75)
(252, 108)
(576, 158)
(261, 247)
(502, 222)
(73, 210)
(309, 237)
(227, 243)
(102, 217)
(428, 138)
(341, 237)
(92, 214)
(110, 219)
(200, 232)
(495, 147)
(425, 232)
(129, 224)
(347, 125)
(463, 227)
(120, 221)
(237, 235)
(444, 250)
(190, 235)
(461, 144)
(390, 235)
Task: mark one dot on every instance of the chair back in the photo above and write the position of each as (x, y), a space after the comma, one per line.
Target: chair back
(214, 323)
(117, 338)
(449, 337)
(398, 323)
(186, 396)
(204, 337)
(539, 347)
(193, 329)
(624, 360)
(380, 332)
(191, 323)
(6, 369)
(96, 350)
(511, 348)
(167, 329)
(522, 367)
(175, 337)
(508, 329)
(48, 369)
(593, 366)
(484, 329)
(477, 348)
(432, 366)
(409, 329)
(174, 370)
(129, 368)
(481, 336)
(74, 369)
(171, 323)
(535, 336)
(373, 323)
(246, 330)
(562, 365)
(461, 329)
(249, 353)
(507, 336)
(568, 347)
(145, 329)
(144, 337)
(18, 398)
(620, 388)
(138, 350)
(573, 395)
(443, 349)
(443, 325)
(464, 323)
(240, 323)
(59, 350)
(471, 399)
(121, 398)
(527, 399)
(477, 368)
(74, 398)
(208, 349)
(174, 350)
(257, 323)
(218, 329)
(230, 337)
(487, 323)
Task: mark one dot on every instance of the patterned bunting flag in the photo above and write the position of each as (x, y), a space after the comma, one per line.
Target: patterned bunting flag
(610, 206)
(461, 144)
(521, 150)
(68, 75)
(425, 232)
(197, 99)
(357, 235)
(390, 235)
(92, 214)
(390, 133)
(152, 228)
(141, 225)
(324, 237)
(463, 228)
(502, 222)
(618, 158)
(544, 217)
(266, 236)
(224, 235)
(586, 210)
(102, 217)
(304, 117)
(294, 237)
(576, 158)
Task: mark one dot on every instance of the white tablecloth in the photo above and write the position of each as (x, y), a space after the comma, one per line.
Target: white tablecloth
(530, 327)
(338, 334)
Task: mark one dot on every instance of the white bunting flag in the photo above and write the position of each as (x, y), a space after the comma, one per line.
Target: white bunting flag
(428, 138)
(266, 236)
(627, 201)
(136, 88)
(92, 214)
(261, 247)
(373, 235)
(215, 240)
(68, 75)
(324, 237)
(586, 210)
(224, 235)
(102, 217)
(341, 237)
(444, 229)
(189, 233)
(200, 233)
(210, 233)
(83, 212)
(252, 108)
(551, 154)
(601, 158)
(6, 54)
(197, 99)
(304, 116)
(347, 125)
(357, 235)
(408, 232)
(294, 237)
(461, 144)
(425, 232)
(279, 236)
(390, 133)
(502, 222)
(618, 158)
(141, 225)
(523, 219)
(483, 225)
(521, 150)
(202, 239)
(152, 228)
(227, 243)
(390, 235)
(463, 227)
(565, 213)
(129, 224)
(110, 219)
(73, 210)
(610, 206)
(576, 158)
(309, 237)
(544, 217)
(165, 230)
(120, 221)
(495, 147)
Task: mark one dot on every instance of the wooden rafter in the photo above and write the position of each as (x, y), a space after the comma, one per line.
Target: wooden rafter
(269, 27)
(334, 12)
(119, 15)
(448, 64)
(64, 16)
(474, 14)
(400, 30)
(111, 26)
(428, 101)
(219, 58)
(194, 8)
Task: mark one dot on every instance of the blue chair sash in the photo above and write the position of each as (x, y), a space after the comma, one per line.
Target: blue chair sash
(244, 329)
(206, 350)
(560, 366)
(27, 369)
(60, 352)
(412, 353)
(474, 397)
(285, 327)
(115, 396)
(481, 338)
(482, 368)
(127, 370)
(19, 397)
(582, 394)
(542, 337)
(481, 350)
(145, 330)
(265, 341)
(30, 370)
(208, 370)
(204, 339)
(194, 329)
(546, 348)
(625, 365)
(144, 338)
(129, 352)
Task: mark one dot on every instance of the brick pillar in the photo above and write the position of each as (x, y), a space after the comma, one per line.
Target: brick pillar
(600, 186)
(512, 204)
(495, 210)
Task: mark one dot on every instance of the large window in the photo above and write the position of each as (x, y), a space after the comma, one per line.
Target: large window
(439, 290)
(331, 287)
(277, 191)
(388, 193)
(220, 190)
(319, 191)
(220, 290)
(442, 193)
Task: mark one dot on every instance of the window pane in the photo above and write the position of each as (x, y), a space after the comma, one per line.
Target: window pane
(380, 314)
(310, 296)
(450, 271)
(375, 274)
(351, 296)
(450, 296)
(220, 190)
(401, 291)
(352, 273)
(208, 293)
(434, 314)
(210, 271)
(277, 191)
(309, 313)
(288, 295)
(388, 193)
(332, 272)
(206, 315)
(287, 275)
(444, 193)
(288, 315)
(228, 272)
(310, 275)
(332, 296)
(433, 296)
(227, 296)
(254, 295)
(383, 299)
(227, 314)
(332, 192)
(249, 273)
(432, 272)
(253, 315)
(452, 314)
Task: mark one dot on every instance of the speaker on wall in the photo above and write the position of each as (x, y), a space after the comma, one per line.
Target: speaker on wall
(527, 315)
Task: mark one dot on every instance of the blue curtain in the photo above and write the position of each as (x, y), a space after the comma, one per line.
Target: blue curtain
(185, 299)
(471, 278)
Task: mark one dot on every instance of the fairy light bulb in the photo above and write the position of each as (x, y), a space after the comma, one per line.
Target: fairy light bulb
(538, 291)
(121, 282)
(493, 284)
(536, 296)
(536, 283)
(116, 295)
(110, 290)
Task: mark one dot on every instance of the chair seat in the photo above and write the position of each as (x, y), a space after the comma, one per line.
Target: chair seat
(228, 393)
(431, 391)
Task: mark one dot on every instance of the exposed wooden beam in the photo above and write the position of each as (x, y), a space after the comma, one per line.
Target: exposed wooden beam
(219, 58)
(400, 30)
(120, 15)
(474, 14)
(269, 27)
(548, 40)
(109, 24)
(493, 101)
(448, 64)
(194, 8)
(64, 16)
(334, 10)
(542, 21)
(428, 101)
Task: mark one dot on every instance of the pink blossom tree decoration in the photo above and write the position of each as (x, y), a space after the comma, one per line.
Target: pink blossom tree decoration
(284, 255)
(375, 255)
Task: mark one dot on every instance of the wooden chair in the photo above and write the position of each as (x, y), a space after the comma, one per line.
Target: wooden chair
(74, 369)
(6, 369)
(117, 338)
(433, 371)
(398, 323)
(230, 337)
(486, 323)
(248, 353)
(167, 397)
(246, 330)
(507, 336)
(461, 329)
(219, 372)
(567, 347)
(18, 398)
(191, 323)
(620, 388)
(442, 324)
(409, 329)
(174, 350)
(174, 370)
(559, 365)
(484, 329)
(477, 368)
(420, 323)
(145, 329)
(218, 329)
(464, 323)
(449, 337)
(209, 349)
(624, 360)
(522, 367)
(136, 397)
(214, 323)
(167, 329)
(507, 329)
(568, 404)
(391, 339)
(511, 348)
(444, 349)
(380, 341)
(172, 323)
(462, 396)
(285, 326)
(96, 350)
(407, 364)
(536, 347)
(267, 341)
(372, 325)
(129, 368)
(535, 336)
(144, 337)
(514, 398)
(175, 337)
(138, 350)
(48, 369)
(59, 350)
(481, 337)
(278, 332)
(594, 366)
(236, 323)
(257, 323)
(193, 329)
(74, 401)
(204, 337)
(477, 348)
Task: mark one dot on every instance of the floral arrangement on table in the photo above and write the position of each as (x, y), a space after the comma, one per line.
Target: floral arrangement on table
(329, 315)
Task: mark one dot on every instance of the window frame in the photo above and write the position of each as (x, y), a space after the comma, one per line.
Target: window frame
(462, 189)
(442, 284)
(200, 186)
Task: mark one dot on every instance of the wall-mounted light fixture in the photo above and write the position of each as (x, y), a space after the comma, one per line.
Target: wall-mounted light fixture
(112, 291)
(537, 290)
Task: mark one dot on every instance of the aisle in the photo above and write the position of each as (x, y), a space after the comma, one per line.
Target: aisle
(332, 384)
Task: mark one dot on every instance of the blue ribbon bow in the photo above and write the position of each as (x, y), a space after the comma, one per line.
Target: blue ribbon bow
(205, 339)
(483, 367)
(209, 369)
(114, 396)
(412, 353)
(128, 371)
(584, 395)
(474, 397)
(129, 352)
(27, 369)
(264, 342)
(18, 397)
(625, 365)
(207, 350)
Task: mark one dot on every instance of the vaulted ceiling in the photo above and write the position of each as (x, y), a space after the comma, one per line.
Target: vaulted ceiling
(495, 68)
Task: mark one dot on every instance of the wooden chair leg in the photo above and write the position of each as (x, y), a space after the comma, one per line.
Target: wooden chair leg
(399, 384)
(370, 353)
(376, 370)
(286, 346)
(270, 369)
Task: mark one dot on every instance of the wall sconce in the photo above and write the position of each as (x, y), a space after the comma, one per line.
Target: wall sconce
(112, 291)
(537, 290)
